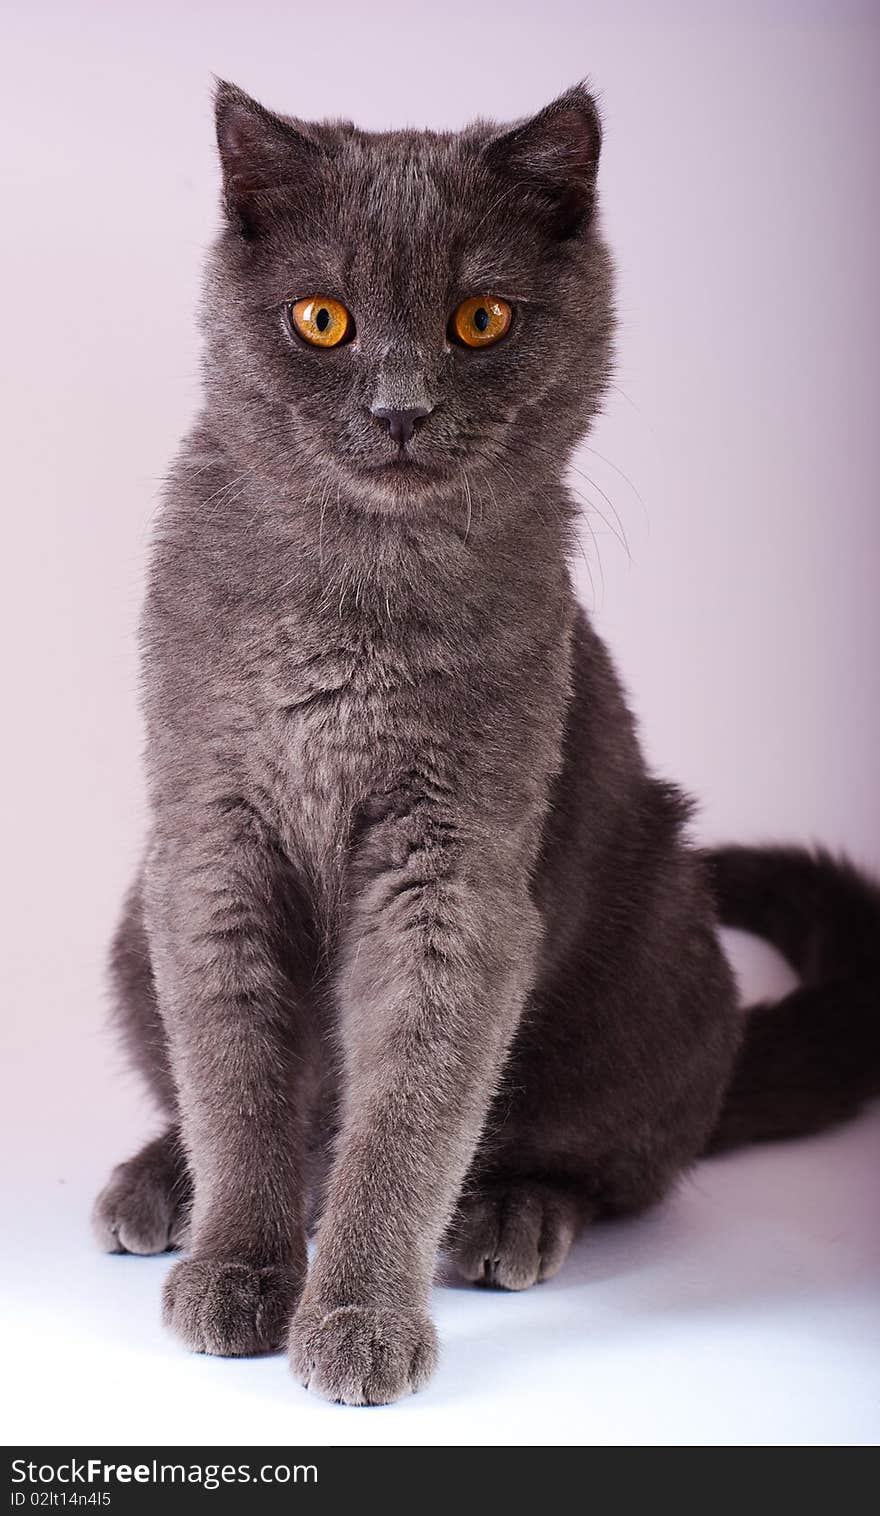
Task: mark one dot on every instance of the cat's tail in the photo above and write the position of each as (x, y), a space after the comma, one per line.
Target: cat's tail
(813, 1058)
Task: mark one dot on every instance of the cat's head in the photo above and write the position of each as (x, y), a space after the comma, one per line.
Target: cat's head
(401, 312)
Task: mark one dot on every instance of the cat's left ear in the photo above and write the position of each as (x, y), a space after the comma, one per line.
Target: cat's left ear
(554, 157)
(269, 163)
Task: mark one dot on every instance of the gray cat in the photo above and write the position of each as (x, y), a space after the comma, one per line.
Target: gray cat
(419, 950)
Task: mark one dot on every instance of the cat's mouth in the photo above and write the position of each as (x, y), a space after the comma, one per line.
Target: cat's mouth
(403, 460)
(402, 484)
(404, 471)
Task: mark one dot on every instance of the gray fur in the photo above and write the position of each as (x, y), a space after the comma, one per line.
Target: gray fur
(418, 944)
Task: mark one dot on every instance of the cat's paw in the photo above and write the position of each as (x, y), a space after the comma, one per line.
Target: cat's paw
(231, 1309)
(362, 1355)
(513, 1235)
(139, 1211)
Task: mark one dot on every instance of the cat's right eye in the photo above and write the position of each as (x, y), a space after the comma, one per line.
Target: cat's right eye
(321, 321)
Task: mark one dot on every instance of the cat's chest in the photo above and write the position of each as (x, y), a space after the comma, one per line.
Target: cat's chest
(337, 718)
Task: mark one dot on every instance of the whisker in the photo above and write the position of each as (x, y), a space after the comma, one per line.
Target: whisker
(324, 493)
(619, 471)
(467, 491)
(620, 535)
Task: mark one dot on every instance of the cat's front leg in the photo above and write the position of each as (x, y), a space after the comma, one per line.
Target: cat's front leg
(435, 972)
(222, 942)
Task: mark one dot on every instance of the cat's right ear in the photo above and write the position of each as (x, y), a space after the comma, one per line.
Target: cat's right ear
(269, 164)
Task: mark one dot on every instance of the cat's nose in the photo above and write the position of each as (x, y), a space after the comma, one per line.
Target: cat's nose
(401, 424)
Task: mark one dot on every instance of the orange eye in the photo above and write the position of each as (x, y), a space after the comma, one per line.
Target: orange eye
(480, 321)
(321, 321)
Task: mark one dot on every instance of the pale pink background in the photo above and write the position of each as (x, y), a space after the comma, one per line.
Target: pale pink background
(739, 186)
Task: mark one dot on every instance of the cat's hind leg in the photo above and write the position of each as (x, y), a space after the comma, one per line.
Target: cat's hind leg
(513, 1233)
(145, 1205)
(136, 1014)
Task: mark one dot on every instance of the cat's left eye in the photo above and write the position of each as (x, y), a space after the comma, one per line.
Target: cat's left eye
(480, 321)
(322, 321)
